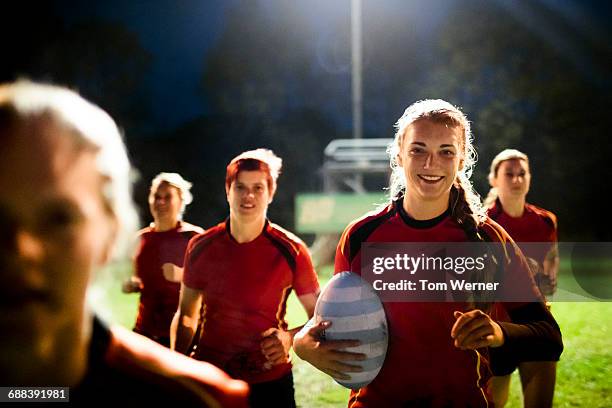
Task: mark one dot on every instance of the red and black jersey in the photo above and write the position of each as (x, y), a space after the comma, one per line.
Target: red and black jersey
(245, 289)
(535, 225)
(422, 366)
(159, 297)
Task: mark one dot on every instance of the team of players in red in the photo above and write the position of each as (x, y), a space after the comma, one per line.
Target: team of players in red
(239, 288)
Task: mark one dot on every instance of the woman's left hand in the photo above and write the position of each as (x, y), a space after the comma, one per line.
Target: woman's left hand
(475, 329)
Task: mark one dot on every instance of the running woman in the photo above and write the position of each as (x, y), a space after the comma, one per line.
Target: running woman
(438, 352)
(158, 264)
(243, 271)
(535, 231)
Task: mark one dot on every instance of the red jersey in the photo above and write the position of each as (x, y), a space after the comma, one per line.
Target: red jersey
(422, 366)
(245, 288)
(159, 296)
(535, 225)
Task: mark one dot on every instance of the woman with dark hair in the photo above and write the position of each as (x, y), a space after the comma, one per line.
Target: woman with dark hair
(438, 352)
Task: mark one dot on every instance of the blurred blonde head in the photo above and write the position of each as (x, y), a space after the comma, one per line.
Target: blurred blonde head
(90, 127)
(177, 181)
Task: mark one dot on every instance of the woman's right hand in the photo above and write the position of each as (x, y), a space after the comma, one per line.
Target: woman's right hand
(327, 355)
(131, 285)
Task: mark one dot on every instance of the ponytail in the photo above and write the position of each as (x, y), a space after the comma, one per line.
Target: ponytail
(463, 214)
(466, 211)
(491, 198)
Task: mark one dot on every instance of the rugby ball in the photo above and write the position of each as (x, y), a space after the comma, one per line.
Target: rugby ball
(356, 313)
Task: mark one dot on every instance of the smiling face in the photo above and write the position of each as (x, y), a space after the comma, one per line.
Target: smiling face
(249, 195)
(56, 229)
(430, 154)
(512, 179)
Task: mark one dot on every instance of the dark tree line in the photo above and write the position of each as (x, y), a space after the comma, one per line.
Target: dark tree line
(527, 77)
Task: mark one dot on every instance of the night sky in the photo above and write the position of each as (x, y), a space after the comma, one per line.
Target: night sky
(178, 34)
(194, 83)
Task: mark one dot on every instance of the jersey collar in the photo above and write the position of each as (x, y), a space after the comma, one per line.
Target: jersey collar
(419, 224)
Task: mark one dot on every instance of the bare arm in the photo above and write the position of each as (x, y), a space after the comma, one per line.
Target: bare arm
(276, 343)
(186, 319)
(551, 267)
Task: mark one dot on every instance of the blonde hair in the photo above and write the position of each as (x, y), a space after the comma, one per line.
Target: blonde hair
(175, 180)
(504, 155)
(92, 128)
(464, 198)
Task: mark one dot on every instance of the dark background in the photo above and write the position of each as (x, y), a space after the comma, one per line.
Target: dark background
(193, 83)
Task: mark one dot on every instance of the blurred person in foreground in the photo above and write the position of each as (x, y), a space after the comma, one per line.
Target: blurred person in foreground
(242, 271)
(65, 211)
(535, 231)
(158, 264)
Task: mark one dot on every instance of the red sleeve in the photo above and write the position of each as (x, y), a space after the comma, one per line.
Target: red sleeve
(137, 258)
(191, 278)
(342, 262)
(553, 233)
(305, 280)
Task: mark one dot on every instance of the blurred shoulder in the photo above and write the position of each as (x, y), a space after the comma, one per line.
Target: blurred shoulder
(145, 231)
(190, 228)
(175, 374)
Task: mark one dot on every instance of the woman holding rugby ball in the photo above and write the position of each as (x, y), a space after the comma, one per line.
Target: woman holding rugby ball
(437, 353)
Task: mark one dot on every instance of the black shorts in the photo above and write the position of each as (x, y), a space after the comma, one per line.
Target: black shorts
(276, 393)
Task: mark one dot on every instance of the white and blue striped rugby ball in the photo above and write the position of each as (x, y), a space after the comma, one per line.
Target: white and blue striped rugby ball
(356, 313)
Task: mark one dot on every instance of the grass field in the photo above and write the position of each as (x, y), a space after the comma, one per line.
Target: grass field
(584, 376)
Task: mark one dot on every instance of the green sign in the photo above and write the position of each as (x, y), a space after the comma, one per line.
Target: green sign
(329, 213)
